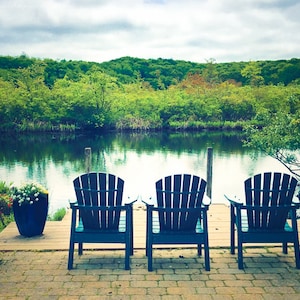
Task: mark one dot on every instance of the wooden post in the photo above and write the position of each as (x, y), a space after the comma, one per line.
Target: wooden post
(209, 171)
(88, 159)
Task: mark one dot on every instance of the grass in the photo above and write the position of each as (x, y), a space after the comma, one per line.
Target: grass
(58, 215)
(5, 220)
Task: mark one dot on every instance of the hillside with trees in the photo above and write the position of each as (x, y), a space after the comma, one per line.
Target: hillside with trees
(143, 94)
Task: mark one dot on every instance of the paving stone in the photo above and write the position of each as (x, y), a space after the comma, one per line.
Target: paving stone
(36, 280)
(37, 271)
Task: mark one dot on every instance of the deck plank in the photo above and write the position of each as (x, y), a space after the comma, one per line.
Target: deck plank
(56, 234)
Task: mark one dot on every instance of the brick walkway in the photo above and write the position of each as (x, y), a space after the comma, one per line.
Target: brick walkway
(178, 274)
(36, 268)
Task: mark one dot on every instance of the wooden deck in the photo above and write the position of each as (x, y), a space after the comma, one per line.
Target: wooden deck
(56, 233)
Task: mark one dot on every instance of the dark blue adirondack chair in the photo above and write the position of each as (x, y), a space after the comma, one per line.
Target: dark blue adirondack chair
(99, 216)
(180, 216)
(262, 217)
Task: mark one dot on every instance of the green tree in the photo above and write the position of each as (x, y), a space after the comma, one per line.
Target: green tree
(100, 87)
(252, 72)
(210, 73)
(27, 100)
(279, 138)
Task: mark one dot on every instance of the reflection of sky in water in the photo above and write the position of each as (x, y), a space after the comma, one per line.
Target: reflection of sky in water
(229, 171)
(141, 170)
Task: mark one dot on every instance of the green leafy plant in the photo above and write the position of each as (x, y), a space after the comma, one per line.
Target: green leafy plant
(58, 215)
(279, 138)
(5, 205)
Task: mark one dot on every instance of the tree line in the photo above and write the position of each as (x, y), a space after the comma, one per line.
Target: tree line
(143, 94)
(161, 73)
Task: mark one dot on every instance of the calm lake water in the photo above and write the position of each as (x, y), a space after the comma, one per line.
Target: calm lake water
(139, 158)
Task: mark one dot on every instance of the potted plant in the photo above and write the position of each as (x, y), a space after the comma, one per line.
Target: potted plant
(30, 207)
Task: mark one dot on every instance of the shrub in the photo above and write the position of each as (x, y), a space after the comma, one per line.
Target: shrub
(58, 215)
(6, 215)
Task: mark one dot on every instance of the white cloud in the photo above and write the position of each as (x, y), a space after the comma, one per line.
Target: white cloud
(100, 30)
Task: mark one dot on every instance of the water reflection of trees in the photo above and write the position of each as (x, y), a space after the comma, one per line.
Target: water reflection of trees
(180, 141)
(37, 151)
(55, 160)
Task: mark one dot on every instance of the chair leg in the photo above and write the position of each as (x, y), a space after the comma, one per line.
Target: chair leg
(149, 253)
(127, 255)
(232, 242)
(232, 233)
(80, 249)
(296, 242)
(240, 256)
(129, 229)
(71, 256)
(147, 247)
(72, 244)
(206, 258)
(149, 237)
(284, 248)
(297, 253)
(199, 249)
(131, 241)
(296, 239)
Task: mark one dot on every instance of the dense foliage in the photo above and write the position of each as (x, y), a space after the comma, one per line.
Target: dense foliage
(5, 205)
(279, 138)
(132, 93)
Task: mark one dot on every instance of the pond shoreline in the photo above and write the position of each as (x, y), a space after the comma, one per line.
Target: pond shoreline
(140, 158)
(203, 126)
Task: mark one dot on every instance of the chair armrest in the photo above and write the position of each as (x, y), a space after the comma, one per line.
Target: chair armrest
(206, 200)
(130, 203)
(234, 200)
(147, 203)
(296, 202)
(73, 204)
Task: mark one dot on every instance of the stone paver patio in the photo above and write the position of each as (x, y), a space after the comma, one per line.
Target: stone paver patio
(36, 268)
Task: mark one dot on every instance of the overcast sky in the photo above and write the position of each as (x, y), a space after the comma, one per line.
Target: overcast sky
(192, 30)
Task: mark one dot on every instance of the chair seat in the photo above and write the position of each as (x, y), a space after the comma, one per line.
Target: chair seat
(156, 228)
(122, 227)
(245, 227)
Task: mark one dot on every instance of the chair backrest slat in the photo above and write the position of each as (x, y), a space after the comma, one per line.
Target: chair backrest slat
(99, 190)
(269, 190)
(179, 192)
(185, 200)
